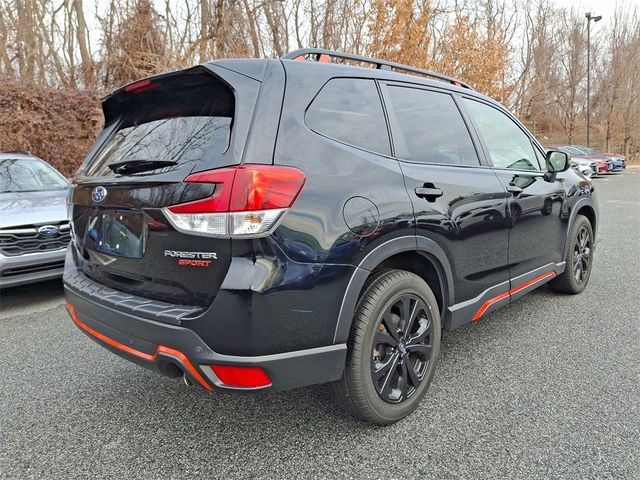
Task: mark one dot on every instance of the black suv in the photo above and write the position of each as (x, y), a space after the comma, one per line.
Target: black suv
(268, 224)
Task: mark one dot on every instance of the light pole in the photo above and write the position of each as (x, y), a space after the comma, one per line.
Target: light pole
(595, 19)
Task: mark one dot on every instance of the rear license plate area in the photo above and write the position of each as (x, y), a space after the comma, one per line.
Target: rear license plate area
(119, 233)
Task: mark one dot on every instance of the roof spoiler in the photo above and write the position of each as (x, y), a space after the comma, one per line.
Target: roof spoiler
(125, 98)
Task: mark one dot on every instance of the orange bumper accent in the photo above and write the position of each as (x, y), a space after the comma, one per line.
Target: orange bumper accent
(497, 298)
(161, 349)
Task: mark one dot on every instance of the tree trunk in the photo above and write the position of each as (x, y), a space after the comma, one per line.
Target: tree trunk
(205, 19)
(272, 21)
(626, 146)
(217, 33)
(5, 60)
(251, 18)
(83, 45)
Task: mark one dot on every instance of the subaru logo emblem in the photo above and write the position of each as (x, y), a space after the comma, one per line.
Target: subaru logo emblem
(47, 231)
(98, 194)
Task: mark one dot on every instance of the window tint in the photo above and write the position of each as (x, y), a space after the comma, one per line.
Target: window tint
(509, 146)
(431, 128)
(349, 110)
(180, 139)
(183, 118)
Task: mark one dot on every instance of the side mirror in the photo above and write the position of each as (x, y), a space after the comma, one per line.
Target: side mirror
(557, 161)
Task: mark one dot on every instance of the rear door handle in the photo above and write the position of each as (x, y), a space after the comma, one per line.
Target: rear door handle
(428, 193)
(516, 190)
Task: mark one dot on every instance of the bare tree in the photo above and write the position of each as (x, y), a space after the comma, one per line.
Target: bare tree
(528, 53)
(572, 64)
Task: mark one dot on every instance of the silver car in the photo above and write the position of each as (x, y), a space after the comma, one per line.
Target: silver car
(34, 230)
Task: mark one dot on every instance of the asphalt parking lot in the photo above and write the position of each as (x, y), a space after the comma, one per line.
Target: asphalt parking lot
(548, 387)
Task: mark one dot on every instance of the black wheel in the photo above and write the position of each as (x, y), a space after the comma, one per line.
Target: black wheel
(516, 211)
(579, 259)
(392, 350)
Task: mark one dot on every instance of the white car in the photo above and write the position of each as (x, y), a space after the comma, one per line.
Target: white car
(588, 168)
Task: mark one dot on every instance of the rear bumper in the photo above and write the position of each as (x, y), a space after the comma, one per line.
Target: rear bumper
(173, 350)
(31, 267)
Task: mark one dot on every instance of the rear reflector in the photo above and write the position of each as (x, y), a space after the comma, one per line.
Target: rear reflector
(243, 377)
(248, 200)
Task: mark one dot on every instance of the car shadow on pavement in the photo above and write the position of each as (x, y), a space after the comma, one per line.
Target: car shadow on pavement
(30, 298)
(153, 401)
(126, 416)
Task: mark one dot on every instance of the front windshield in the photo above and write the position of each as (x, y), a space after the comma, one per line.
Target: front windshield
(573, 150)
(585, 151)
(29, 175)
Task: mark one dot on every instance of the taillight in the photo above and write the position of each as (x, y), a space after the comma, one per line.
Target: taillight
(243, 377)
(248, 200)
(141, 86)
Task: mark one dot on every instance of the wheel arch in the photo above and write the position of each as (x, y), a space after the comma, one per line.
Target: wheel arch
(589, 212)
(422, 256)
(586, 207)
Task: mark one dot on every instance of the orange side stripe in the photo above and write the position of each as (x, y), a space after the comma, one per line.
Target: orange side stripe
(497, 298)
(488, 303)
(531, 282)
(145, 356)
(110, 341)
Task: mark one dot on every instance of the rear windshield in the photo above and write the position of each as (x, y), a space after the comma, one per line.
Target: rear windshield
(29, 175)
(182, 118)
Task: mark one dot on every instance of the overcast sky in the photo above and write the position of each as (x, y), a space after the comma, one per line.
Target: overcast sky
(605, 8)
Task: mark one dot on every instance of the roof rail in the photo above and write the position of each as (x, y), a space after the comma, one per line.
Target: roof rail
(321, 55)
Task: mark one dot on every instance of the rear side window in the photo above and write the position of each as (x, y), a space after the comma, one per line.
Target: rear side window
(431, 128)
(183, 118)
(349, 110)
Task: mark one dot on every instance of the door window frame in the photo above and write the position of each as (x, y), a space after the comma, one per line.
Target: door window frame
(538, 150)
(394, 125)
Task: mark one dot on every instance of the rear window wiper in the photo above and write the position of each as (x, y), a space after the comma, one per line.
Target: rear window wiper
(137, 166)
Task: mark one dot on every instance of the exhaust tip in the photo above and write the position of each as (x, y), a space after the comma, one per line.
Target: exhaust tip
(187, 381)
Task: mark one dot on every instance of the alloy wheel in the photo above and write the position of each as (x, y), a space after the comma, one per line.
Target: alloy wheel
(402, 348)
(582, 255)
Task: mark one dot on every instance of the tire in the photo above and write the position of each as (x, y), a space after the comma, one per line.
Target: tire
(578, 257)
(516, 211)
(408, 367)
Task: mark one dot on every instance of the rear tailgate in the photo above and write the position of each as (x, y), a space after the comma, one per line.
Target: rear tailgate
(122, 238)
